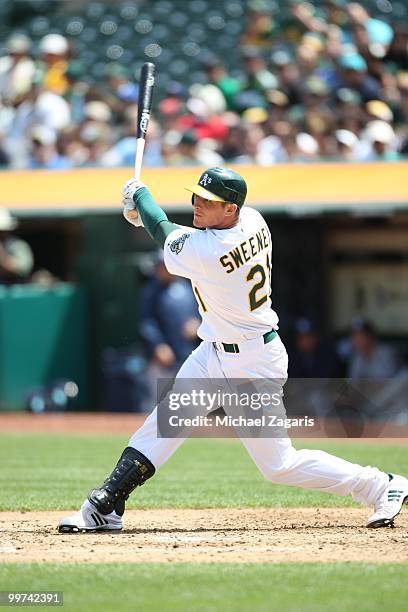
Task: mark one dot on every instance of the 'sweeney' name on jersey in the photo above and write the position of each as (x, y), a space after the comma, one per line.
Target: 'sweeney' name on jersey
(245, 251)
(230, 272)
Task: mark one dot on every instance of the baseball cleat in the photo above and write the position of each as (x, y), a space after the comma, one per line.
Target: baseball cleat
(389, 505)
(89, 519)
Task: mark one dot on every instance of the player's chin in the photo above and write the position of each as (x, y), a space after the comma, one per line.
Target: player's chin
(198, 221)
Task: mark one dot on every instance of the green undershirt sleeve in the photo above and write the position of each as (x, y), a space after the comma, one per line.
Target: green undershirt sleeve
(154, 218)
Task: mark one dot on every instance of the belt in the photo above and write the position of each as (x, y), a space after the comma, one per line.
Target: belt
(234, 348)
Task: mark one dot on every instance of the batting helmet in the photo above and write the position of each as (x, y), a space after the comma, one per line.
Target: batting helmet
(221, 185)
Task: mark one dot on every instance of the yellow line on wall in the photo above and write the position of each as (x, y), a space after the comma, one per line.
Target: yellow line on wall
(287, 184)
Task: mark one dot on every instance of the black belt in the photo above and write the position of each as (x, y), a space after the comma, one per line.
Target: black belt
(234, 348)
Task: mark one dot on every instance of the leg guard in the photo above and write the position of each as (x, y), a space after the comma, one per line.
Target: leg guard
(131, 471)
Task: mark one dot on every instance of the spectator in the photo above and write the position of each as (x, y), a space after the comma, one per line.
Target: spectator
(370, 358)
(192, 152)
(271, 148)
(309, 54)
(311, 357)
(44, 152)
(202, 120)
(16, 69)
(349, 111)
(347, 145)
(261, 26)
(307, 148)
(16, 257)
(397, 53)
(304, 19)
(51, 109)
(122, 153)
(288, 73)
(217, 75)
(232, 146)
(168, 321)
(77, 91)
(172, 107)
(353, 74)
(252, 139)
(54, 50)
(121, 92)
(36, 107)
(120, 84)
(257, 75)
(374, 35)
(381, 140)
(95, 138)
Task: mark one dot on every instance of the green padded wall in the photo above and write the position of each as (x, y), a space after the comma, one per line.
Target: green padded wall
(43, 337)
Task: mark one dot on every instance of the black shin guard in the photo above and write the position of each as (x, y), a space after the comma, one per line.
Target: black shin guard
(131, 471)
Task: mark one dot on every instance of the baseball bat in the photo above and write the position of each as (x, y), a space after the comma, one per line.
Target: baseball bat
(147, 78)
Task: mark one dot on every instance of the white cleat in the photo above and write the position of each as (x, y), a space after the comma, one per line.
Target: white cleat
(89, 519)
(389, 505)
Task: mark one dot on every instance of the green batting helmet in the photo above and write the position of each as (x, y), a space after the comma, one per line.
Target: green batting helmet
(221, 185)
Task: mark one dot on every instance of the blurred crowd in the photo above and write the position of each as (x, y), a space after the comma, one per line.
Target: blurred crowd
(359, 354)
(364, 376)
(328, 81)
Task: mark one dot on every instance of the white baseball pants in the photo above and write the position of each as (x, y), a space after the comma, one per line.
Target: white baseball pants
(276, 458)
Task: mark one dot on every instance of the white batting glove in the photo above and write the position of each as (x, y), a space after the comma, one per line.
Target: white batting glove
(129, 190)
(130, 211)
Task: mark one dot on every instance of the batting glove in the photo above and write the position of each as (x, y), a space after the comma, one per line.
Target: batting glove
(130, 211)
(129, 190)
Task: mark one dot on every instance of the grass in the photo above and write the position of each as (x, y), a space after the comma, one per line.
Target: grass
(55, 472)
(311, 587)
(41, 472)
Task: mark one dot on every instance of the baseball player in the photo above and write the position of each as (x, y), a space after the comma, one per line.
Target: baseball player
(227, 256)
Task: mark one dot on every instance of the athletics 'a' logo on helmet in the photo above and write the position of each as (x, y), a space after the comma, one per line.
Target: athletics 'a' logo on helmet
(205, 180)
(222, 185)
(177, 245)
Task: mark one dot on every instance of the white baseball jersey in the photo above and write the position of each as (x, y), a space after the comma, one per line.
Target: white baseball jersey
(230, 272)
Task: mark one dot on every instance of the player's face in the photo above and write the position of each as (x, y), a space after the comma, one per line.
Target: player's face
(210, 213)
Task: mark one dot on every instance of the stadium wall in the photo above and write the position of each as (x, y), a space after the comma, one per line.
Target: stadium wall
(282, 187)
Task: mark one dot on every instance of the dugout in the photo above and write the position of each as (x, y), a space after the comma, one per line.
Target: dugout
(340, 248)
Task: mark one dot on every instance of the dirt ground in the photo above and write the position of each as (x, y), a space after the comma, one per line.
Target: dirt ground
(96, 423)
(244, 535)
(71, 423)
(228, 535)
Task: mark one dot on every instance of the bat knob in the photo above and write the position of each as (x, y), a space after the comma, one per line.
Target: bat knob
(132, 214)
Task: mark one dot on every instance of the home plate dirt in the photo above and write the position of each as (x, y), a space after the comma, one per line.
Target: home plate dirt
(228, 535)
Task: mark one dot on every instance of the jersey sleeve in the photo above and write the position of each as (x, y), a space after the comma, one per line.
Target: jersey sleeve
(182, 253)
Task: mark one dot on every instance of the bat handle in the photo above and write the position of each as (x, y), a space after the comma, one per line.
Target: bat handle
(140, 145)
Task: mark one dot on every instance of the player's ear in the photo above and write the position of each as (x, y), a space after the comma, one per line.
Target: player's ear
(231, 209)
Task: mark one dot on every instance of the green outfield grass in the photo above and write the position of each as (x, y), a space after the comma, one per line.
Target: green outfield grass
(55, 472)
(311, 587)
